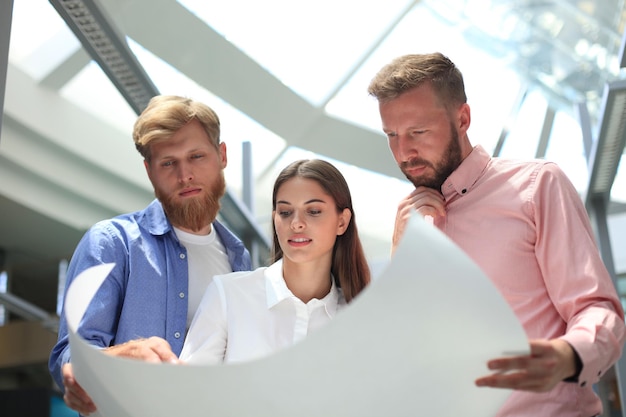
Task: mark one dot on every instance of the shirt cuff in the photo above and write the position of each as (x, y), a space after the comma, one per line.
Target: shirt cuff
(579, 367)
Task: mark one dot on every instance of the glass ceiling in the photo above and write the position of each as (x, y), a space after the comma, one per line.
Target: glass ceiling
(557, 52)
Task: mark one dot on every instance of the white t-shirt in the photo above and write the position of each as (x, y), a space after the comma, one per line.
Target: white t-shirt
(247, 315)
(206, 257)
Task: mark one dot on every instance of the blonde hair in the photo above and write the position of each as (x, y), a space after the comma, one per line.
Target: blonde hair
(165, 115)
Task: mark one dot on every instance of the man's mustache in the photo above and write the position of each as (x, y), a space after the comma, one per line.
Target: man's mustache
(415, 162)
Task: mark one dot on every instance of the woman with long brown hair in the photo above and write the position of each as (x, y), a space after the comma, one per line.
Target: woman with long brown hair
(318, 266)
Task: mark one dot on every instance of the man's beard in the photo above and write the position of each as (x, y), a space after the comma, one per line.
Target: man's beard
(442, 169)
(197, 212)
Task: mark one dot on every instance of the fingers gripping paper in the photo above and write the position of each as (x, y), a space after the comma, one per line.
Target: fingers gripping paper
(411, 344)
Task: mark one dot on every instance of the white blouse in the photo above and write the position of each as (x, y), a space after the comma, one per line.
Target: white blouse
(247, 315)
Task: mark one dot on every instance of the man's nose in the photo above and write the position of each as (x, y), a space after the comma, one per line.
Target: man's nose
(405, 148)
(185, 173)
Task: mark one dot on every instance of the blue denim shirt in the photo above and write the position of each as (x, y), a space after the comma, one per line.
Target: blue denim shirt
(146, 292)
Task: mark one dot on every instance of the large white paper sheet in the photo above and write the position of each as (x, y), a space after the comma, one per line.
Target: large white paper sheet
(410, 345)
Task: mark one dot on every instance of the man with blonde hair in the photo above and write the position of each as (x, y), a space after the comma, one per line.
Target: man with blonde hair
(165, 255)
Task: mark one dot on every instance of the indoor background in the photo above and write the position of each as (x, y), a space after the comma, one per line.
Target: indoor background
(288, 79)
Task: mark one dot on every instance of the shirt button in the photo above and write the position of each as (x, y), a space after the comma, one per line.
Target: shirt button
(177, 335)
(181, 256)
(181, 295)
(464, 190)
(583, 383)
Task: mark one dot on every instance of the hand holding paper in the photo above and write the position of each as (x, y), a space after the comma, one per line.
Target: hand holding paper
(75, 396)
(411, 344)
(549, 362)
(153, 349)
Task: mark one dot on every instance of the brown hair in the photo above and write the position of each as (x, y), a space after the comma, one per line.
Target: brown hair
(165, 115)
(349, 265)
(409, 71)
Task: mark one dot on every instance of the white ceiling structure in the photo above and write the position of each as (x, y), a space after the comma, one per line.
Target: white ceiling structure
(289, 80)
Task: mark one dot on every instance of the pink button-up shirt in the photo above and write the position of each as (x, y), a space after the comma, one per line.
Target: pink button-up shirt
(525, 225)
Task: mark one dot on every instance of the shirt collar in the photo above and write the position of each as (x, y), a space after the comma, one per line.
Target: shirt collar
(465, 175)
(276, 289)
(154, 219)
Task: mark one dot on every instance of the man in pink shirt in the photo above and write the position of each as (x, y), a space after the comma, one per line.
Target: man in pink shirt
(523, 223)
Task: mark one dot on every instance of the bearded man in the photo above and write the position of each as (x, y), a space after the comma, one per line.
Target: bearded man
(165, 255)
(524, 225)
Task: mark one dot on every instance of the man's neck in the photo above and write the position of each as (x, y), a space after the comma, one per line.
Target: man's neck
(205, 230)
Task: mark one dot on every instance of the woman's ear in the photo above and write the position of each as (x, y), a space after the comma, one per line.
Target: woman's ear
(344, 221)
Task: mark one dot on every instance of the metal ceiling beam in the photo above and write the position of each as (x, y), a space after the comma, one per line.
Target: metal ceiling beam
(370, 51)
(546, 131)
(510, 120)
(608, 148)
(584, 119)
(109, 49)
